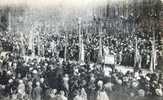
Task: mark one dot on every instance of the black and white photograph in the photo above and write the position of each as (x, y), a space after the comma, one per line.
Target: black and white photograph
(81, 49)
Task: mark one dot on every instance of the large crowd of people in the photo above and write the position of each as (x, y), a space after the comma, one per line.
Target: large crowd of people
(53, 79)
(129, 47)
(64, 55)
(49, 76)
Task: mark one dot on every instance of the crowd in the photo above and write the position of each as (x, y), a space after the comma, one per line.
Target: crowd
(23, 78)
(48, 76)
(44, 64)
(129, 48)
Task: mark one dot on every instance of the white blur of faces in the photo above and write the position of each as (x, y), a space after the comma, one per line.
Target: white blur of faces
(100, 83)
(14, 65)
(9, 63)
(53, 93)
(42, 80)
(37, 84)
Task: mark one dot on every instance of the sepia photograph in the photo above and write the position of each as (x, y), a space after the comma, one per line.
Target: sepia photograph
(81, 49)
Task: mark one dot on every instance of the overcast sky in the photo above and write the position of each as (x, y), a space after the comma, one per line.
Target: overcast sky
(53, 3)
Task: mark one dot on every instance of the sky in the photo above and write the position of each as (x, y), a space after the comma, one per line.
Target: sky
(64, 3)
(54, 3)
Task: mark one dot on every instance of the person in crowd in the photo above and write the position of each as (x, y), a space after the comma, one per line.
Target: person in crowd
(21, 89)
(92, 88)
(61, 96)
(53, 95)
(77, 95)
(66, 84)
(29, 89)
(101, 94)
(33, 77)
(83, 94)
(159, 90)
(37, 92)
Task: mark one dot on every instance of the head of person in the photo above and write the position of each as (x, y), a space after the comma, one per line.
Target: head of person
(100, 84)
(54, 91)
(66, 75)
(20, 81)
(37, 84)
(42, 80)
(141, 92)
(62, 93)
(76, 93)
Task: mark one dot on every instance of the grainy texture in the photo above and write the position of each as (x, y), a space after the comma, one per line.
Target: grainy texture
(81, 50)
